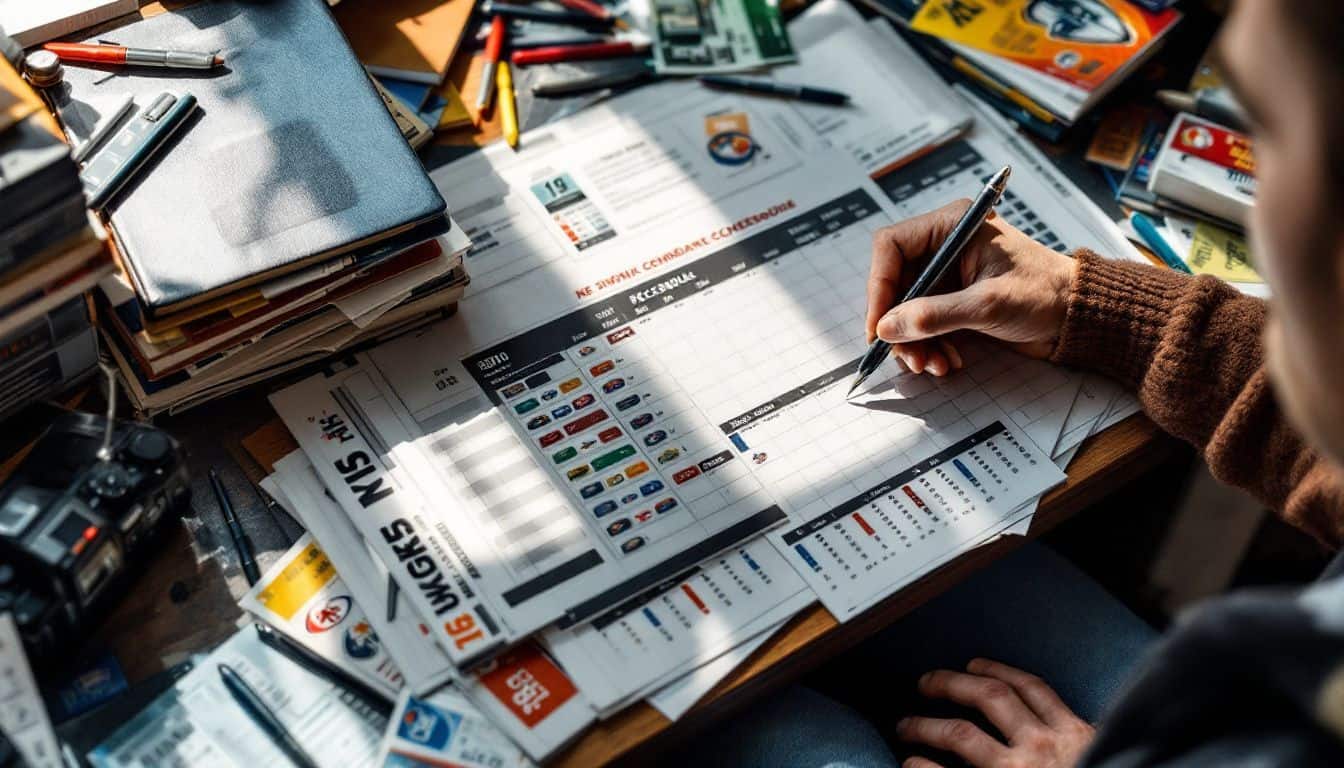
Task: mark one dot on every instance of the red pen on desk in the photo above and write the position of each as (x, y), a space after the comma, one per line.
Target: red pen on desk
(89, 53)
(592, 9)
(553, 54)
(493, 45)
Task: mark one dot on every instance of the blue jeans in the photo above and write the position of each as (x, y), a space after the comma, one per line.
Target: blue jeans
(1032, 609)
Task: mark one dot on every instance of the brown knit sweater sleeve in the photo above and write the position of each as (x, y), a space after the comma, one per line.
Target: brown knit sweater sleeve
(1191, 348)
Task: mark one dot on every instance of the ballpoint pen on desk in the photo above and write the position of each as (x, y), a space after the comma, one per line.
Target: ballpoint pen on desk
(256, 709)
(547, 16)
(946, 255)
(593, 9)
(508, 105)
(772, 88)
(249, 564)
(1147, 230)
(322, 668)
(97, 53)
(554, 54)
(494, 46)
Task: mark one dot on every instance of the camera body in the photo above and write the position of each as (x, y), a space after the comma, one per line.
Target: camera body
(75, 519)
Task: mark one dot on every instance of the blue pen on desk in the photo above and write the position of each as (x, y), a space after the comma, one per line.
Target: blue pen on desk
(1148, 231)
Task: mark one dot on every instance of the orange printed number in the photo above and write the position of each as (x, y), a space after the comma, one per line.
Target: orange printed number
(463, 630)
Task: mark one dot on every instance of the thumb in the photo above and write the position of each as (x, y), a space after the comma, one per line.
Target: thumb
(931, 316)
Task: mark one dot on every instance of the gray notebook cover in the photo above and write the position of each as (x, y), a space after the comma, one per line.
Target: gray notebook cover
(291, 157)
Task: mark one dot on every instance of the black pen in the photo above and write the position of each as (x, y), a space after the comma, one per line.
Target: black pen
(322, 668)
(263, 716)
(236, 531)
(773, 88)
(558, 88)
(546, 16)
(945, 257)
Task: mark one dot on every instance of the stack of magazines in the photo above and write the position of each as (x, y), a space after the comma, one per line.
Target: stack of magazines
(51, 252)
(275, 228)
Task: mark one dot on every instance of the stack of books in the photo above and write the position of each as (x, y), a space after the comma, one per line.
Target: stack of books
(1044, 64)
(289, 221)
(51, 252)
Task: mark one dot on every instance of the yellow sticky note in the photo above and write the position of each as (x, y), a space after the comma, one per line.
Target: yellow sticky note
(297, 582)
(455, 114)
(1223, 254)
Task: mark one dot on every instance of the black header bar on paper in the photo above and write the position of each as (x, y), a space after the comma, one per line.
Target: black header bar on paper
(505, 362)
(676, 565)
(892, 483)
(924, 172)
(792, 396)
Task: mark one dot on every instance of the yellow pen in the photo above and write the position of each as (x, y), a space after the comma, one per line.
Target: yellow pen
(508, 105)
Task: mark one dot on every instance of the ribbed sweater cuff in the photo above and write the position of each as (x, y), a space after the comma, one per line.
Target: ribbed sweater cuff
(1115, 317)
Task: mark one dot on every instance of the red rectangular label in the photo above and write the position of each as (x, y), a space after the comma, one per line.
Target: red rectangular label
(1215, 144)
(551, 438)
(609, 434)
(695, 598)
(686, 474)
(868, 529)
(528, 684)
(578, 425)
(602, 367)
(908, 492)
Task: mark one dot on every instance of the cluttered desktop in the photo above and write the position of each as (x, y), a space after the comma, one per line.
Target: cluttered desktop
(433, 382)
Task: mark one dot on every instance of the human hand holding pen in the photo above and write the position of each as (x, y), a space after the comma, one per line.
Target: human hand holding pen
(1008, 287)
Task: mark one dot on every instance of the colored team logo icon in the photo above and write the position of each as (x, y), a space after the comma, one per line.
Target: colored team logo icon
(670, 454)
(569, 385)
(361, 642)
(644, 516)
(527, 405)
(604, 509)
(655, 437)
(618, 527)
(613, 385)
(586, 350)
(609, 434)
(577, 472)
(513, 390)
(641, 421)
(590, 490)
(602, 367)
(1197, 137)
(326, 615)
(623, 333)
(561, 412)
(615, 480)
(538, 421)
(423, 725)
(1080, 21)
(730, 141)
(627, 403)
(564, 454)
(630, 545)
(651, 487)
(587, 444)
(731, 148)
(665, 505)
(629, 498)
(636, 469)
(583, 401)
(550, 438)
(549, 394)
(759, 457)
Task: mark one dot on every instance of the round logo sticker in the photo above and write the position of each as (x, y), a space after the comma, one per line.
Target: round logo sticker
(326, 615)
(731, 148)
(361, 642)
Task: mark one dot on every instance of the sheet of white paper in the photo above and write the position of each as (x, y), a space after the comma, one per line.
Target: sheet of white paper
(199, 722)
(677, 697)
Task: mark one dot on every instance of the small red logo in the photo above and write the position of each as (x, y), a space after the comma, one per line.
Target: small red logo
(324, 616)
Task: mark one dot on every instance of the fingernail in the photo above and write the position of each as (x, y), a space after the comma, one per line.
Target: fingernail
(936, 367)
(903, 724)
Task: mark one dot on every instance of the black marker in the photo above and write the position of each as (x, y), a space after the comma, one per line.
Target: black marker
(256, 708)
(236, 531)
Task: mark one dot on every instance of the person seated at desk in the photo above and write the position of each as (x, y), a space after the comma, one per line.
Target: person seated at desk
(1251, 679)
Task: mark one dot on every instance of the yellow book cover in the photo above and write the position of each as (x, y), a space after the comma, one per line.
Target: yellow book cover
(1083, 42)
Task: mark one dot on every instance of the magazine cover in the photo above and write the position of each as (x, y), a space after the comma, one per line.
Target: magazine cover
(1083, 42)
